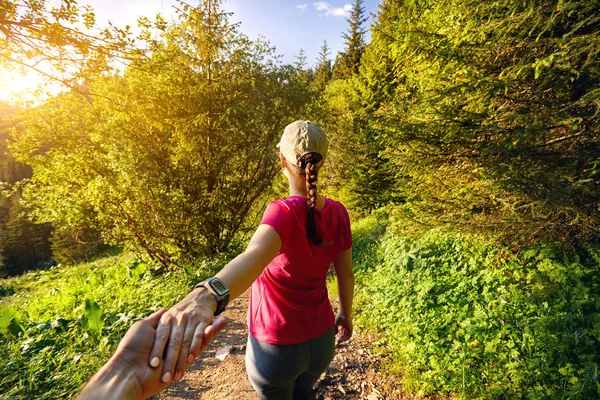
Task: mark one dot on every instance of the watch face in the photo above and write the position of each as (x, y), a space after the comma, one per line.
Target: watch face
(218, 286)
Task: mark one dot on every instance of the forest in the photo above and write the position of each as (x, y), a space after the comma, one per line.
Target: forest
(464, 142)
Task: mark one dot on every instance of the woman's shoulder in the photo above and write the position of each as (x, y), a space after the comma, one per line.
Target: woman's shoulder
(335, 203)
(338, 206)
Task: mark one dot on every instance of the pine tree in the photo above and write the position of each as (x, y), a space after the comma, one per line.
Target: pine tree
(323, 69)
(304, 73)
(4, 210)
(491, 121)
(26, 245)
(355, 43)
(300, 62)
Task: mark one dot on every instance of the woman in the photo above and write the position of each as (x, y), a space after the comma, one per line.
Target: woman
(291, 323)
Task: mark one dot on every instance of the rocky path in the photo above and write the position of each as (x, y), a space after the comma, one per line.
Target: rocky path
(353, 374)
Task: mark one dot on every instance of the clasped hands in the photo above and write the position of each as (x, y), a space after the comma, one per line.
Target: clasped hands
(157, 350)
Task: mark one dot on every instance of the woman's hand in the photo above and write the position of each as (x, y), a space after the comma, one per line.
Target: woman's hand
(343, 327)
(182, 334)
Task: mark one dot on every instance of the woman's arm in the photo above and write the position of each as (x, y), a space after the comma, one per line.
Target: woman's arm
(239, 274)
(345, 283)
(182, 329)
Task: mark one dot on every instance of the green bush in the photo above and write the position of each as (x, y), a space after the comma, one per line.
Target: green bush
(366, 237)
(465, 317)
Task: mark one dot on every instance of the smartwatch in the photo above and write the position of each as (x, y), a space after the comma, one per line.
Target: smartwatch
(219, 290)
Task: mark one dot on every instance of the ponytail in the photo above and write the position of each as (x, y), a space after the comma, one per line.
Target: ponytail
(308, 163)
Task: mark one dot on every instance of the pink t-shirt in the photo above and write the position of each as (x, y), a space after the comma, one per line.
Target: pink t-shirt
(289, 303)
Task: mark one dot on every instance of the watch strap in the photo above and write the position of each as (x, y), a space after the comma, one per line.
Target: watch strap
(222, 298)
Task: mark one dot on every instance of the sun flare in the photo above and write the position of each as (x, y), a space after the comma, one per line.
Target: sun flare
(17, 84)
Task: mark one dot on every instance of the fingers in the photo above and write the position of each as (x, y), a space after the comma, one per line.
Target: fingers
(196, 346)
(154, 319)
(346, 334)
(163, 331)
(216, 327)
(213, 330)
(183, 360)
(173, 349)
(200, 342)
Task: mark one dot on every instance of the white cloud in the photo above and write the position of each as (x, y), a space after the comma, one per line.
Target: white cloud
(330, 11)
(302, 6)
(321, 5)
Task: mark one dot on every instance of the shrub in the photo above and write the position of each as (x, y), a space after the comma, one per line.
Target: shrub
(463, 316)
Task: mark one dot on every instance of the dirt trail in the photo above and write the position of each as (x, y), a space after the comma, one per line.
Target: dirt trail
(353, 374)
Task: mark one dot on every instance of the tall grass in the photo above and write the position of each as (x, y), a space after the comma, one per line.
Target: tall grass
(57, 327)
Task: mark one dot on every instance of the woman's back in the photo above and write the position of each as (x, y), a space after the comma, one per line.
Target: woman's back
(289, 302)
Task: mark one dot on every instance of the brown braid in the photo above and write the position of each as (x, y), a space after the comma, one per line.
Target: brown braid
(308, 163)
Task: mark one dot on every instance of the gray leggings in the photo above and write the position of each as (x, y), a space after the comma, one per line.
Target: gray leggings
(288, 372)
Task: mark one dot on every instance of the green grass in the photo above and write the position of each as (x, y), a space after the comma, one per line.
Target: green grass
(51, 342)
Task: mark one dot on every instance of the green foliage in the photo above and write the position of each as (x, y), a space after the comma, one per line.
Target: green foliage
(169, 158)
(92, 317)
(23, 245)
(461, 315)
(77, 244)
(9, 322)
(6, 290)
(323, 69)
(26, 245)
(60, 41)
(489, 111)
(304, 74)
(59, 326)
(362, 175)
(348, 61)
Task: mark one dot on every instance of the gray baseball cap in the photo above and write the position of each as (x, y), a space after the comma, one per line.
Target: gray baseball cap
(300, 138)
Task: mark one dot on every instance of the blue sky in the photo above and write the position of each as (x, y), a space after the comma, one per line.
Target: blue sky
(289, 25)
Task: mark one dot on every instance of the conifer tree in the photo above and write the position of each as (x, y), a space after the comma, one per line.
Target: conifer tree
(492, 120)
(323, 69)
(304, 73)
(26, 245)
(300, 62)
(355, 43)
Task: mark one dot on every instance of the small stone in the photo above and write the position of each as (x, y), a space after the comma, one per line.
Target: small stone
(223, 352)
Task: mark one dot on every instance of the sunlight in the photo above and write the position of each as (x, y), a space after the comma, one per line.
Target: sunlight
(18, 84)
(25, 85)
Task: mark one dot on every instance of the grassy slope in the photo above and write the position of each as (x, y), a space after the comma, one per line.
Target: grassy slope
(57, 352)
